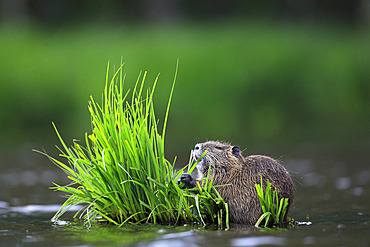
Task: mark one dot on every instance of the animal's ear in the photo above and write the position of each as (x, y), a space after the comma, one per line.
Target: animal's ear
(235, 150)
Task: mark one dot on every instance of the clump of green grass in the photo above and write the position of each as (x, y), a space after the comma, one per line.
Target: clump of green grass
(121, 175)
(273, 210)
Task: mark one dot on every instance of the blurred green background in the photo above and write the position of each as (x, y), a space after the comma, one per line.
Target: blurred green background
(270, 76)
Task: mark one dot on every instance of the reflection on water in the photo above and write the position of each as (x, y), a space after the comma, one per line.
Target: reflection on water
(331, 188)
(33, 209)
(256, 241)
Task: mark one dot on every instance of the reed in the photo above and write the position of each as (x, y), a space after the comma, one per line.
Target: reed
(273, 210)
(121, 175)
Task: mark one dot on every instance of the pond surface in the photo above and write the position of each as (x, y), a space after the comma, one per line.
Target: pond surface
(332, 189)
(328, 229)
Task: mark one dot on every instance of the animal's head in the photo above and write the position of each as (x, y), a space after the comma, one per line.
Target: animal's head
(221, 156)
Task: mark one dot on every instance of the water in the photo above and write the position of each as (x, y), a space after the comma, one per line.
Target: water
(332, 188)
(328, 229)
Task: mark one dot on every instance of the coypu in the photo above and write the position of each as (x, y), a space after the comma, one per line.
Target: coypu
(228, 166)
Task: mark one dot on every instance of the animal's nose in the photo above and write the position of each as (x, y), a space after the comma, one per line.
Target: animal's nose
(197, 147)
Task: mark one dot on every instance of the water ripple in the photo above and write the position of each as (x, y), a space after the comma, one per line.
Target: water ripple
(29, 209)
(257, 241)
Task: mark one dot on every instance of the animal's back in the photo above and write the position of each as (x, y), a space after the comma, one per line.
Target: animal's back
(241, 194)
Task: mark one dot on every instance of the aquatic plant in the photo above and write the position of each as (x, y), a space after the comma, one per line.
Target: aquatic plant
(122, 176)
(273, 210)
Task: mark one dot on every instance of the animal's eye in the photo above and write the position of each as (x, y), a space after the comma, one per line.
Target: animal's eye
(218, 147)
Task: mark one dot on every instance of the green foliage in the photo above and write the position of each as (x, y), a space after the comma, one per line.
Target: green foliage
(121, 176)
(273, 210)
(278, 80)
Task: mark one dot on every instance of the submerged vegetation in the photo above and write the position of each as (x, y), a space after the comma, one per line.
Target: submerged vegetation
(122, 176)
(273, 210)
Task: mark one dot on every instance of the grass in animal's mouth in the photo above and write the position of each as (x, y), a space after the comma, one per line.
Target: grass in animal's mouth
(121, 175)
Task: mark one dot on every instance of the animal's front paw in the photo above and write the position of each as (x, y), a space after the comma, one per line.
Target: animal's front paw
(186, 178)
(188, 181)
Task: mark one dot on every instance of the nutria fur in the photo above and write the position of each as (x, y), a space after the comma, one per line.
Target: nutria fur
(228, 166)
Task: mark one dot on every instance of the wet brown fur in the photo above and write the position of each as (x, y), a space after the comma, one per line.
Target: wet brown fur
(242, 173)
